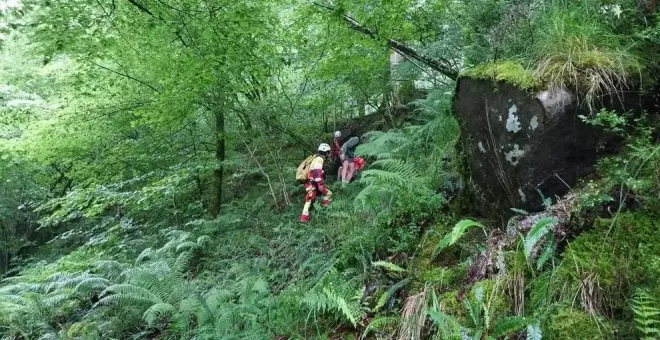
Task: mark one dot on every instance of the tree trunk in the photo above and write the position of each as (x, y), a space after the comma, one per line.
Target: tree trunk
(220, 158)
(361, 104)
(396, 84)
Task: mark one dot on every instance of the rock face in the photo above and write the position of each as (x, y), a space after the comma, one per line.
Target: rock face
(516, 143)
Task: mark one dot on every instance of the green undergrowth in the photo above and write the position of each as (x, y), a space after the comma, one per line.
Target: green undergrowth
(388, 258)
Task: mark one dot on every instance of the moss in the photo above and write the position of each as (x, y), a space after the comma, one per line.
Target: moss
(506, 70)
(609, 261)
(570, 323)
(452, 306)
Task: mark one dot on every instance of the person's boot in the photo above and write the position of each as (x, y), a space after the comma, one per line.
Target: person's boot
(304, 218)
(325, 203)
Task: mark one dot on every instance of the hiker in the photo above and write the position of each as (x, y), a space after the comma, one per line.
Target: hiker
(347, 157)
(360, 164)
(335, 152)
(314, 184)
(336, 146)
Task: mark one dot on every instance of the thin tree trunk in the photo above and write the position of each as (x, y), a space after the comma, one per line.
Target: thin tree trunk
(220, 158)
(361, 103)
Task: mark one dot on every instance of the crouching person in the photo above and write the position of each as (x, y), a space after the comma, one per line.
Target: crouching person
(315, 185)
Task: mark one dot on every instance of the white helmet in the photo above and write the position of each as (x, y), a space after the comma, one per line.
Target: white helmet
(337, 134)
(324, 147)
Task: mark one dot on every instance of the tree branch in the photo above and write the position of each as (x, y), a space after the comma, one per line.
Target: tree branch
(126, 75)
(441, 65)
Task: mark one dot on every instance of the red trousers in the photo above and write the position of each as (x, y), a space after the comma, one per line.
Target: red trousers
(312, 190)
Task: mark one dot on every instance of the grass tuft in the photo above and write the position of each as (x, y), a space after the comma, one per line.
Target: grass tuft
(580, 52)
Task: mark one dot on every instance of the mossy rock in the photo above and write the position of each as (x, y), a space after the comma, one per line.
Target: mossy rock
(510, 71)
(570, 323)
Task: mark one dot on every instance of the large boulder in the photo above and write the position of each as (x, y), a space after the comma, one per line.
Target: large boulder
(518, 143)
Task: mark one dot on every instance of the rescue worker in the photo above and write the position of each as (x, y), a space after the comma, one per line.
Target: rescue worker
(347, 157)
(315, 182)
(335, 152)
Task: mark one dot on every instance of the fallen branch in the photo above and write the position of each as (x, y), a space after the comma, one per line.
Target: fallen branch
(441, 65)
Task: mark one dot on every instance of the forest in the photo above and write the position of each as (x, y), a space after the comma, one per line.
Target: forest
(149, 152)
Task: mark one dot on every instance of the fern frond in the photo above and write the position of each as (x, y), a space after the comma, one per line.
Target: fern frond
(341, 305)
(157, 311)
(448, 326)
(110, 268)
(389, 293)
(508, 325)
(52, 301)
(21, 287)
(182, 262)
(547, 253)
(146, 254)
(647, 314)
(187, 245)
(316, 302)
(203, 241)
(541, 228)
(456, 233)
(534, 332)
(379, 323)
(128, 295)
(90, 284)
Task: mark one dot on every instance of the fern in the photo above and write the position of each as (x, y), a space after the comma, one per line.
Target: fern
(379, 323)
(457, 232)
(341, 304)
(540, 229)
(508, 325)
(334, 292)
(647, 314)
(389, 293)
(448, 326)
(146, 254)
(157, 311)
(547, 253)
(127, 296)
(534, 331)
